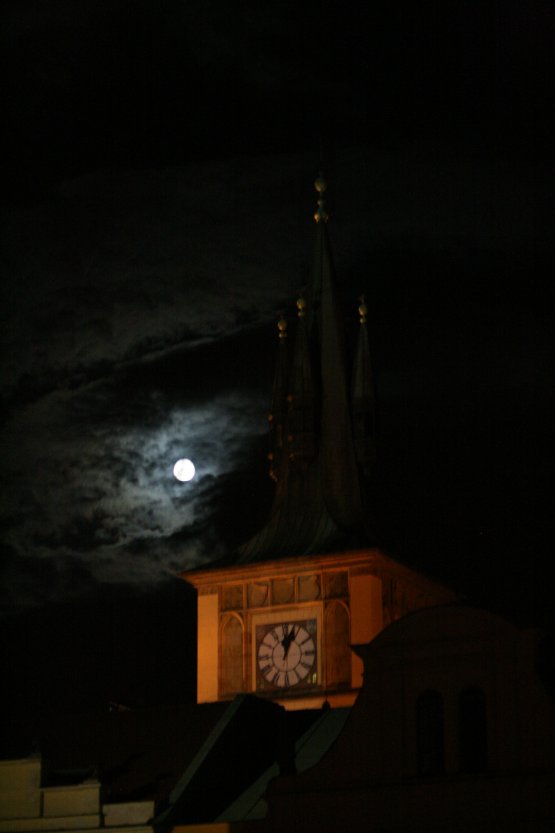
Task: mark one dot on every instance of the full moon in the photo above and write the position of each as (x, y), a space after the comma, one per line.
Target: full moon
(184, 470)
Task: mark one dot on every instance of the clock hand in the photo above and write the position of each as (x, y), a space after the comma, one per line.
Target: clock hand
(285, 644)
(287, 640)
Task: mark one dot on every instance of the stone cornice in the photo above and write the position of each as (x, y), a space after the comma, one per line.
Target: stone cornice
(371, 559)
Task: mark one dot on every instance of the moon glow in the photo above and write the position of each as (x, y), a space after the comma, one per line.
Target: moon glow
(184, 470)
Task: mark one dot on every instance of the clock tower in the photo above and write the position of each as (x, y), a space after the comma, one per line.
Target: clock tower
(280, 618)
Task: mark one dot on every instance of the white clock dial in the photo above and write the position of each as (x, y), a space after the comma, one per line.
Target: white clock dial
(286, 653)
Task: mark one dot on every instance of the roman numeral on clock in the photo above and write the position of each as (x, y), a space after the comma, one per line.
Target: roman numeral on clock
(270, 673)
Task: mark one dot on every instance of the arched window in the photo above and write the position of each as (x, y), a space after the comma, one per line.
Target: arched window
(430, 733)
(338, 646)
(473, 730)
(231, 678)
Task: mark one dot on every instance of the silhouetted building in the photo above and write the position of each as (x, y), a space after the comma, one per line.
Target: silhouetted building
(453, 730)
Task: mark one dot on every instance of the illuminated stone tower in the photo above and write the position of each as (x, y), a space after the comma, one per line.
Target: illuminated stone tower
(279, 622)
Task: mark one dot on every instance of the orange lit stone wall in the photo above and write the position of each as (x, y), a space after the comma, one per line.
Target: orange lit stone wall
(207, 646)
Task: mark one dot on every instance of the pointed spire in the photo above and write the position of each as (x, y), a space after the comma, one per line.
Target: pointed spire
(337, 457)
(364, 418)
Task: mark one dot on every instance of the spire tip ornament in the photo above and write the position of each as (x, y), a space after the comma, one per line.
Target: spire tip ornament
(321, 215)
(362, 309)
(320, 184)
(282, 327)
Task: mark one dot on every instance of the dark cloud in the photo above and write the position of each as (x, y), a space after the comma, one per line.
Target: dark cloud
(128, 266)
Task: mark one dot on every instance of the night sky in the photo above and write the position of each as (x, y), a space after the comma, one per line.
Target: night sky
(157, 218)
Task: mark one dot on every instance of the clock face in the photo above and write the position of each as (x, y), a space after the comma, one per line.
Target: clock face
(286, 654)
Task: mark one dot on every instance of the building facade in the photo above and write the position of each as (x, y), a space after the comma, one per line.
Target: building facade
(453, 730)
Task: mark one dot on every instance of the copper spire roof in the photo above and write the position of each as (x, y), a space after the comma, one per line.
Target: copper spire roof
(318, 462)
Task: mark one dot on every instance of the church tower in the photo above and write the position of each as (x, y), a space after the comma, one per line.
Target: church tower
(280, 620)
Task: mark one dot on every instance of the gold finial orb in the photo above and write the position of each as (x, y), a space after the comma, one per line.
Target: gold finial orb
(301, 307)
(321, 215)
(320, 184)
(282, 327)
(362, 310)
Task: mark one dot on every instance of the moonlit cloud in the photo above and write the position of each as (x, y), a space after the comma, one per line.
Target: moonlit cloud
(126, 270)
(99, 489)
